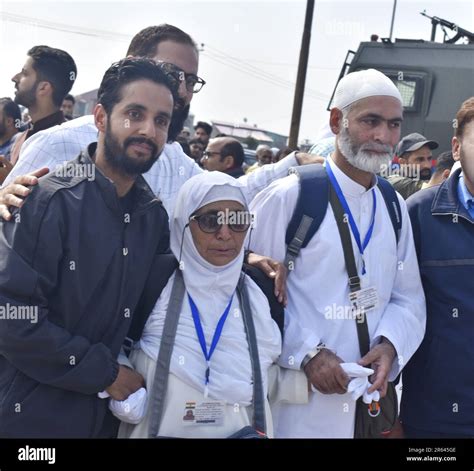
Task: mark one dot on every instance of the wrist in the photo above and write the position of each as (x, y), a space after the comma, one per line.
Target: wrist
(311, 354)
(390, 345)
(246, 255)
(386, 341)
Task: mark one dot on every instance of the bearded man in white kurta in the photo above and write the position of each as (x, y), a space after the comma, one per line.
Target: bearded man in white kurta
(366, 119)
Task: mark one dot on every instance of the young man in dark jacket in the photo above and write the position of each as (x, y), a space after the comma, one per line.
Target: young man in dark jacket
(438, 382)
(74, 261)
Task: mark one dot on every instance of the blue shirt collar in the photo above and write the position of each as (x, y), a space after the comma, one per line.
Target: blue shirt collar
(465, 197)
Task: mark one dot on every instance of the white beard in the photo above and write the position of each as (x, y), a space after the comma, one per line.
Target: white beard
(362, 159)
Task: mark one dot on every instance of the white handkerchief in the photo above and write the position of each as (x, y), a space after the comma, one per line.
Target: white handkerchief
(354, 370)
(357, 387)
(133, 409)
(369, 397)
(360, 383)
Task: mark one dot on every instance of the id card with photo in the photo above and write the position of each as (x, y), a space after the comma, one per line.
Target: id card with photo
(364, 300)
(204, 413)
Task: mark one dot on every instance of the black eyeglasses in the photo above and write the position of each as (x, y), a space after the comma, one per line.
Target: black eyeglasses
(208, 154)
(238, 221)
(194, 83)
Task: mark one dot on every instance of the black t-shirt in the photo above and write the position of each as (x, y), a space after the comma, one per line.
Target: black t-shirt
(127, 202)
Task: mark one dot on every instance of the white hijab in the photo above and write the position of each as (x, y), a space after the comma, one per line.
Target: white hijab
(211, 288)
(199, 275)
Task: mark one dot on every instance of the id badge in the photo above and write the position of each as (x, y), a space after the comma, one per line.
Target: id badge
(204, 413)
(364, 300)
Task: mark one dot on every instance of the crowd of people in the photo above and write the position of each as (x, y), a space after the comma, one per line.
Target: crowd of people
(153, 287)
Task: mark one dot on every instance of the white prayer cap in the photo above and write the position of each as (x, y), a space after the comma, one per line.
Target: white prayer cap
(363, 84)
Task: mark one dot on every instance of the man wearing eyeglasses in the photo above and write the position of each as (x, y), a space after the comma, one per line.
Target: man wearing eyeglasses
(163, 43)
(224, 154)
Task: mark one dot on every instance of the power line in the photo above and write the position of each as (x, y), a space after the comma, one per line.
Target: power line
(256, 72)
(239, 62)
(213, 53)
(96, 33)
(287, 86)
(283, 64)
(240, 69)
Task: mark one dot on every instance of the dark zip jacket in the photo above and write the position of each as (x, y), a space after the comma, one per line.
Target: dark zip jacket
(438, 381)
(75, 259)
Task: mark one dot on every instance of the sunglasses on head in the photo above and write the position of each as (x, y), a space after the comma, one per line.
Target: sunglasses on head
(238, 221)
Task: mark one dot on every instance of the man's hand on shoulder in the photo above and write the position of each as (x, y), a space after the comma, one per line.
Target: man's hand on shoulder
(15, 193)
(305, 159)
(274, 270)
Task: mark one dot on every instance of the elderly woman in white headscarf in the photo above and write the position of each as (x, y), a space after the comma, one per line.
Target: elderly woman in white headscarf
(209, 391)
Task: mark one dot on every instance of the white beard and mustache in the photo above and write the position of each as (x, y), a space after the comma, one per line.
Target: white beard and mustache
(359, 157)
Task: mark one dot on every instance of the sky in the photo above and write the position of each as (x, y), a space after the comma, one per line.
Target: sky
(249, 49)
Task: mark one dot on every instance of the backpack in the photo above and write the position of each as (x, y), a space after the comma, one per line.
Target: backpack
(312, 205)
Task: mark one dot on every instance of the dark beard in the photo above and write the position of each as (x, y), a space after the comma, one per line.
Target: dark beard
(117, 157)
(425, 175)
(180, 114)
(27, 98)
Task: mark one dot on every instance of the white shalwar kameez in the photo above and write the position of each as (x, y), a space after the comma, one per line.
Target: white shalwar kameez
(318, 296)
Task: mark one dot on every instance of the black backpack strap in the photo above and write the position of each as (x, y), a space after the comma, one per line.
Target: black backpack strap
(354, 280)
(161, 270)
(259, 421)
(346, 240)
(393, 205)
(160, 381)
(363, 417)
(267, 285)
(310, 209)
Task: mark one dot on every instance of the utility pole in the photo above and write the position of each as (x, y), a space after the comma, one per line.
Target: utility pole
(301, 78)
(393, 17)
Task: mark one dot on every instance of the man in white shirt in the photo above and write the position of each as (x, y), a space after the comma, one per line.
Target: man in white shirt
(164, 43)
(366, 119)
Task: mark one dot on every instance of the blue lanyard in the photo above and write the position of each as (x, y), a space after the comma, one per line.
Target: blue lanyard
(355, 230)
(202, 339)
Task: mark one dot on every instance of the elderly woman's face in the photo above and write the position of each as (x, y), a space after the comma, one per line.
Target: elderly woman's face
(221, 247)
